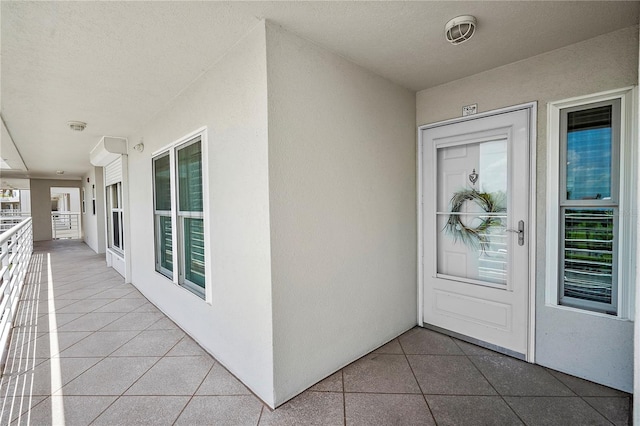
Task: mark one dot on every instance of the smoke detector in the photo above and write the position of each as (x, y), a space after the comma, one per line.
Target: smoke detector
(76, 126)
(460, 29)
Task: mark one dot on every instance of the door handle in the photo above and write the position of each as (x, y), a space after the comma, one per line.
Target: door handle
(520, 232)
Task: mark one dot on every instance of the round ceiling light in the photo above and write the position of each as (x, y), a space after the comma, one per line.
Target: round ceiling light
(460, 29)
(76, 126)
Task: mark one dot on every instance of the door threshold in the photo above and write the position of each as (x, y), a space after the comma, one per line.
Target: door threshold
(476, 342)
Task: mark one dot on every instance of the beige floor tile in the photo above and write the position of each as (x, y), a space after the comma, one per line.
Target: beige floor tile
(512, 377)
(186, 347)
(134, 321)
(333, 383)
(539, 411)
(365, 409)
(143, 410)
(221, 410)
(220, 382)
(111, 376)
(101, 343)
(380, 373)
(173, 376)
(393, 347)
(150, 343)
(77, 410)
(140, 368)
(449, 375)
(121, 305)
(471, 410)
(421, 341)
(17, 406)
(309, 408)
(616, 409)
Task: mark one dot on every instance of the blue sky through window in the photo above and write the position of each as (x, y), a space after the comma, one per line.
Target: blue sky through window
(589, 164)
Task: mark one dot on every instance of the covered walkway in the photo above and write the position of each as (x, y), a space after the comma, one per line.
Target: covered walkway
(89, 349)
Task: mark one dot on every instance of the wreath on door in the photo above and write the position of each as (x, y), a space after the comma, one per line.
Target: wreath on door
(474, 237)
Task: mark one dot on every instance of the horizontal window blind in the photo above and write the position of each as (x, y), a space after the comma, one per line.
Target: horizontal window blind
(113, 172)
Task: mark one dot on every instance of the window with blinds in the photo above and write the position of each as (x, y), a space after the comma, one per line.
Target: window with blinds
(589, 203)
(179, 215)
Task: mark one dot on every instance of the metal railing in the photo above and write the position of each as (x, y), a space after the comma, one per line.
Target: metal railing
(65, 225)
(16, 246)
(8, 219)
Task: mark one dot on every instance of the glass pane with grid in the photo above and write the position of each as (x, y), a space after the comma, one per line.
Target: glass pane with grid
(589, 207)
(589, 254)
(190, 178)
(162, 183)
(165, 244)
(194, 251)
(589, 154)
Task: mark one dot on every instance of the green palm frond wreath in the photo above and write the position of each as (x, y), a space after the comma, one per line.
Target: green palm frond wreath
(475, 237)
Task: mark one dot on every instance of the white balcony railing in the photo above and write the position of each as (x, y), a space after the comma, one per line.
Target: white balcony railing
(8, 219)
(16, 246)
(65, 225)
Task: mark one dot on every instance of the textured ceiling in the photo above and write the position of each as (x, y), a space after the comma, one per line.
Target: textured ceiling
(115, 65)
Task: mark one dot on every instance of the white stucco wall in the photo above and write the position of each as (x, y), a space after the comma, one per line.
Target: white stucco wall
(41, 204)
(343, 210)
(231, 100)
(603, 63)
(93, 224)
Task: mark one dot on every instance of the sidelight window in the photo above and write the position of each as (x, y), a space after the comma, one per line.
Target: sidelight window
(591, 197)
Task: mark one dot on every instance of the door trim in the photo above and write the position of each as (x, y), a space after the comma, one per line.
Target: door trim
(532, 109)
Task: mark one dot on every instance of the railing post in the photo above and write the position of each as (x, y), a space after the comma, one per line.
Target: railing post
(5, 264)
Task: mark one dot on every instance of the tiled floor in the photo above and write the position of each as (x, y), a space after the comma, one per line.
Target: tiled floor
(109, 357)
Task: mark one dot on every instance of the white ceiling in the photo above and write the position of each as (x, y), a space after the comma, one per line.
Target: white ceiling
(115, 65)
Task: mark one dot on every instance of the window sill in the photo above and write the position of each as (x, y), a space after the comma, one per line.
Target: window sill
(585, 312)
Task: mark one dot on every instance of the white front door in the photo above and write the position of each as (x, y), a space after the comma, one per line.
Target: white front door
(475, 228)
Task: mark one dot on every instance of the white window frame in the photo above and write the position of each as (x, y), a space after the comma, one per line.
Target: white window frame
(156, 220)
(177, 216)
(627, 200)
(120, 212)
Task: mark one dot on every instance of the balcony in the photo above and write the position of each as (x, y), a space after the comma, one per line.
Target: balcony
(89, 349)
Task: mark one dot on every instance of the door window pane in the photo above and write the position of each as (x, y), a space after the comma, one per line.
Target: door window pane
(589, 149)
(472, 211)
(475, 259)
(190, 178)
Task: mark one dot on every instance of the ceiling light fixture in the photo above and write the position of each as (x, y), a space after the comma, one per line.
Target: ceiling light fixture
(76, 126)
(460, 29)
